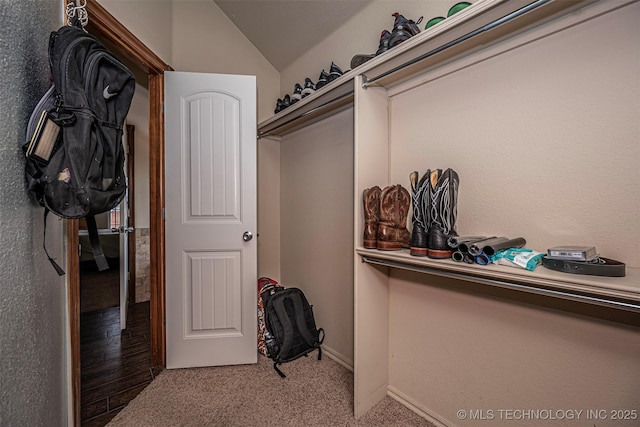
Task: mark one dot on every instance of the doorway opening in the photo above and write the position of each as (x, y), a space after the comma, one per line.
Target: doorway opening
(105, 27)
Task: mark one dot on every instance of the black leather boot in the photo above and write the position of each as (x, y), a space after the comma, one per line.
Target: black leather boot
(443, 188)
(420, 199)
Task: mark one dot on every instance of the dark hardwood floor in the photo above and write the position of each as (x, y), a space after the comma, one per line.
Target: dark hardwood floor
(115, 364)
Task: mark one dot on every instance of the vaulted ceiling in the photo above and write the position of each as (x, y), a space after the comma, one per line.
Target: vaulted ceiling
(282, 30)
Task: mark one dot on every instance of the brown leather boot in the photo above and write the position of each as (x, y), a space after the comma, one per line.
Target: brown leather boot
(371, 200)
(394, 209)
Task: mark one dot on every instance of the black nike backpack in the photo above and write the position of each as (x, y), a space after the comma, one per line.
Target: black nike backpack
(74, 152)
(289, 319)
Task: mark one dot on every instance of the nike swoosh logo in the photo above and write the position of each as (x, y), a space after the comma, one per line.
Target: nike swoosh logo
(108, 94)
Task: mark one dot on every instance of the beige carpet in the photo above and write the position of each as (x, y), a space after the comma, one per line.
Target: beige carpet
(315, 393)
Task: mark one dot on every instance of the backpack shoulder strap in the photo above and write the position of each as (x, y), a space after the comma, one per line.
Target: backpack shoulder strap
(55, 265)
(96, 247)
(301, 322)
(287, 327)
(275, 366)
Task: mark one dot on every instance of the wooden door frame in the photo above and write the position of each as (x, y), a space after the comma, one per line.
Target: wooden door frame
(105, 27)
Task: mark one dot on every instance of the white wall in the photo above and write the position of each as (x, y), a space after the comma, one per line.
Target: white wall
(269, 208)
(543, 131)
(545, 139)
(360, 35)
(317, 224)
(454, 346)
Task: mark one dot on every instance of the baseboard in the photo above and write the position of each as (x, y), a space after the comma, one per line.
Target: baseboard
(414, 406)
(394, 393)
(334, 355)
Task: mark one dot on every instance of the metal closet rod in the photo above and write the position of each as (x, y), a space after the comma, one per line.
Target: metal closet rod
(605, 302)
(515, 14)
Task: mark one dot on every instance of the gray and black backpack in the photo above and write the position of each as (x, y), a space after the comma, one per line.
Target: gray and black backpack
(291, 325)
(74, 152)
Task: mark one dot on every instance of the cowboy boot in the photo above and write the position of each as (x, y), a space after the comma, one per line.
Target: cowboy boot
(371, 200)
(444, 211)
(394, 209)
(420, 199)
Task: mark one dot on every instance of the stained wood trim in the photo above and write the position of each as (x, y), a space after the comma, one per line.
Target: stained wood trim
(157, 203)
(73, 301)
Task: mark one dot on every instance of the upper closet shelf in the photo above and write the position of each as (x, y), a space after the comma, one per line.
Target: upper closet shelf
(482, 23)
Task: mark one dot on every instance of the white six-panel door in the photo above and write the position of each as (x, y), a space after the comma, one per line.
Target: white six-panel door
(210, 219)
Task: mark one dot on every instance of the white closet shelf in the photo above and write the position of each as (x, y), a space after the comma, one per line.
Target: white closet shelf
(616, 292)
(329, 100)
(476, 26)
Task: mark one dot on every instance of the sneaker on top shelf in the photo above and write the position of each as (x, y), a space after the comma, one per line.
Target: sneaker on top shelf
(334, 71)
(383, 46)
(286, 101)
(297, 93)
(384, 42)
(278, 106)
(309, 87)
(322, 80)
(403, 29)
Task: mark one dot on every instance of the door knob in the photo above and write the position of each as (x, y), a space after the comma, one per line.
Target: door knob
(247, 236)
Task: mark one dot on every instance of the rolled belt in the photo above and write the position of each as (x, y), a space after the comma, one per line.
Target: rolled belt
(597, 267)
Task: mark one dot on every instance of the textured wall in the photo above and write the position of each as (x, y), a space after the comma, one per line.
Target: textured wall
(33, 386)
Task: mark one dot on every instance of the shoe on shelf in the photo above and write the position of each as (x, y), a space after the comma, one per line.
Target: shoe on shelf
(360, 59)
(392, 226)
(403, 29)
(334, 72)
(384, 42)
(297, 93)
(371, 202)
(286, 101)
(322, 80)
(278, 106)
(443, 208)
(283, 103)
(308, 88)
(420, 202)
